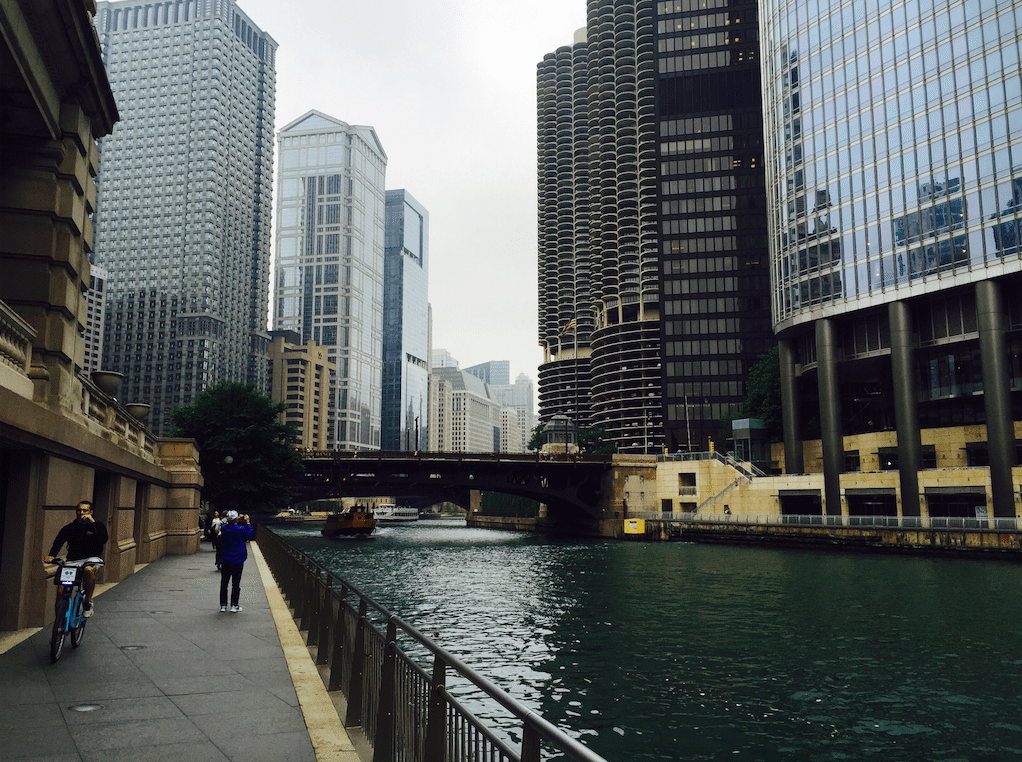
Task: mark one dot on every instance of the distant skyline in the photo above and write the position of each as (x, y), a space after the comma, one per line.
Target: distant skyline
(450, 88)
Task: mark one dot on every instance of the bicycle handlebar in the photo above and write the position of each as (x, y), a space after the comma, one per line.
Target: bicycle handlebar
(90, 561)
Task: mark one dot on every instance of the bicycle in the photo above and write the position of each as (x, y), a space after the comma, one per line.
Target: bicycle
(70, 616)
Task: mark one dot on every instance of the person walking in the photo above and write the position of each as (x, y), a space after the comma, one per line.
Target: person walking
(234, 533)
(85, 538)
(214, 536)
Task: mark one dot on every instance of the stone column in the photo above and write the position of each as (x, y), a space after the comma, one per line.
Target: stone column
(827, 351)
(996, 395)
(906, 411)
(794, 462)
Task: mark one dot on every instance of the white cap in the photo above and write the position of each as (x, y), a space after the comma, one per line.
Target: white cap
(232, 515)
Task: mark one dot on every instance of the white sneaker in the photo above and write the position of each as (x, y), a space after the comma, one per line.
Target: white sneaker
(235, 609)
(89, 610)
(223, 608)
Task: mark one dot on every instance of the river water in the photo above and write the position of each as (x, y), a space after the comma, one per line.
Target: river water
(679, 651)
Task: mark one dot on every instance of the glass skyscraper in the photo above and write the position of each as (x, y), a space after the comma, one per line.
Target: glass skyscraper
(405, 324)
(894, 134)
(329, 267)
(183, 211)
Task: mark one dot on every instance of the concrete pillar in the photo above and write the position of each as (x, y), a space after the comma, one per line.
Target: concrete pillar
(996, 394)
(827, 351)
(794, 462)
(906, 411)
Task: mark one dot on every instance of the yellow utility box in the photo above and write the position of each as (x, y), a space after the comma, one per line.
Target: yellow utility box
(635, 526)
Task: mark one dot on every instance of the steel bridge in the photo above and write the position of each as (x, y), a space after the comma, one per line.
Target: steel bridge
(572, 486)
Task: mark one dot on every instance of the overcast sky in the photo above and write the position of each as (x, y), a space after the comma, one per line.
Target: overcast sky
(450, 87)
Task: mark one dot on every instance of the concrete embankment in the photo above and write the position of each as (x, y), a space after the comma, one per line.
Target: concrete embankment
(511, 523)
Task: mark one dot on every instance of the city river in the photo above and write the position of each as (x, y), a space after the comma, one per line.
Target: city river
(677, 651)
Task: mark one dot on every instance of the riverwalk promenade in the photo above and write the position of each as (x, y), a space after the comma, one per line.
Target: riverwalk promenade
(163, 674)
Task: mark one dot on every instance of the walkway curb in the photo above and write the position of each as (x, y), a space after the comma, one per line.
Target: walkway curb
(328, 736)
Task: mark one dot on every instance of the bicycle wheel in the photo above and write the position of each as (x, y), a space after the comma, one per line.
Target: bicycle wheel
(59, 631)
(78, 632)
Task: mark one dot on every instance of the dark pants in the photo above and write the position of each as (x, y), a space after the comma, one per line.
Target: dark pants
(228, 573)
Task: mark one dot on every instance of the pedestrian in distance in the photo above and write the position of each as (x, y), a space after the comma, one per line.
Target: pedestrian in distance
(85, 538)
(234, 533)
(214, 537)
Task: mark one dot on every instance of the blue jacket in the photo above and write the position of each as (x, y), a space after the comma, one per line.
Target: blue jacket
(232, 538)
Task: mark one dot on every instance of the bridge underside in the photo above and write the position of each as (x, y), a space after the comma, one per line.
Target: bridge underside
(572, 489)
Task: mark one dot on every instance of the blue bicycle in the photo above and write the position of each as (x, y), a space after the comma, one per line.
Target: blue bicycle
(70, 614)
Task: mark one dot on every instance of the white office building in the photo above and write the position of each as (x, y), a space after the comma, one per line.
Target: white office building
(329, 272)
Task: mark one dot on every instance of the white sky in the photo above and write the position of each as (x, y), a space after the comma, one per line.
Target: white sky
(450, 87)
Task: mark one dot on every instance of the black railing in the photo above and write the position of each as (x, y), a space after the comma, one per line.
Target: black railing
(405, 711)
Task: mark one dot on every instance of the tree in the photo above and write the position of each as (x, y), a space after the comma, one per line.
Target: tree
(594, 442)
(245, 454)
(763, 391)
(537, 437)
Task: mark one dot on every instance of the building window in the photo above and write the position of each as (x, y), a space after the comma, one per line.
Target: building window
(852, 463)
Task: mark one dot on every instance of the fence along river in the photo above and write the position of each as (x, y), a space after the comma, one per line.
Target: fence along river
(676, 651)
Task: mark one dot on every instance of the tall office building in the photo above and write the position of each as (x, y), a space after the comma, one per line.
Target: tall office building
(895, 181)
(300, 378)
(95, 299)
(405, 323)
(329, 271)
(653, 269)
(519, 397)
(465, 416)
(184, 190)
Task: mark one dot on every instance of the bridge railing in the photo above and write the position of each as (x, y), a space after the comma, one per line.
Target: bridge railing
(956, 523)
(404, 709)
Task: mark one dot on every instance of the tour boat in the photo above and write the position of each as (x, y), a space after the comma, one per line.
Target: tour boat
(388, 513)
(351, 521)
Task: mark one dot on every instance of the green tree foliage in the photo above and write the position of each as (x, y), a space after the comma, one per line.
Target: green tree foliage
(235, 421)
(594, 442)
(763, 391)
(537, 437)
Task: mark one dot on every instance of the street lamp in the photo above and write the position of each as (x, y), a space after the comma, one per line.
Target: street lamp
(228, 460)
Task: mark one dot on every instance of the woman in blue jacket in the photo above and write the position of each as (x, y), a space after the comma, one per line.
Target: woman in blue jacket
(234, 533)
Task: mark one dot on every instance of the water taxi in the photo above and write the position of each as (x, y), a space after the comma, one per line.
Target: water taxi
(356, 520)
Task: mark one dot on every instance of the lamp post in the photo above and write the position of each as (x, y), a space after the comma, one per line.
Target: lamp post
(228, 460)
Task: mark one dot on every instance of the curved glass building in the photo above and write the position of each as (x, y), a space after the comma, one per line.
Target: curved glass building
(894, 179)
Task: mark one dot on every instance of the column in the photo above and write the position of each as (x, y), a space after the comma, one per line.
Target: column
(906, 411)
(794, 462)
(830, 414)
(996, 395)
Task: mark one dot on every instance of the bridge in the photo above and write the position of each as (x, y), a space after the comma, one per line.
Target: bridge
(580, 491)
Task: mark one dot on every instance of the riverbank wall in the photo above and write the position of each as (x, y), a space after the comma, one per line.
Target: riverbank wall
(509, 523)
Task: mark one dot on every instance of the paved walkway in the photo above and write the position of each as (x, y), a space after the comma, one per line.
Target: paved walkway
(169, 677)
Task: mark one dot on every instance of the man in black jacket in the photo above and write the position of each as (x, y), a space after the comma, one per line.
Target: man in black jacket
(85, 537)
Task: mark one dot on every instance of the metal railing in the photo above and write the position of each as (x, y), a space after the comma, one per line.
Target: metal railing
(745, 468)
(966, 523)
(406, 712)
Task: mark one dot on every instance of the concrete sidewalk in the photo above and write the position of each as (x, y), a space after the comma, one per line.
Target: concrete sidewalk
(162, 674)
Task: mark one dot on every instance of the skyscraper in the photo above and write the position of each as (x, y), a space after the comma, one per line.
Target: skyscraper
(184, 191)
(653, 271)
(895, 181)
(329, 272)
(492, 372)
(405, 323)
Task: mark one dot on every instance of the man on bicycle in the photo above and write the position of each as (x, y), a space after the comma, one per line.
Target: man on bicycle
(85, 537)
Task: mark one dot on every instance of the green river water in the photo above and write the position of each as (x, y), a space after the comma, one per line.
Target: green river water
(678, 651)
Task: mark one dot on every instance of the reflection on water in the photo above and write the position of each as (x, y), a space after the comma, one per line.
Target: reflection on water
(673, 651)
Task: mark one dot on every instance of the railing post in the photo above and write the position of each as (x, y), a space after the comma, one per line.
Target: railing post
(436, 721)
(315, 604)
(383, 743)
(306, 594)
(323, 637)
(530, 742)
(339, 641)
(353, 716)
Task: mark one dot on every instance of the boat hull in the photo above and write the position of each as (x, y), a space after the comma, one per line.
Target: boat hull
(349, 524)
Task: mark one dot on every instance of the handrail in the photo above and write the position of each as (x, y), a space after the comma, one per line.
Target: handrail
(406, 711)
(957, 523)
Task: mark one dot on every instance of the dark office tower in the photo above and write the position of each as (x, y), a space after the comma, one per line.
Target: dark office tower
(405, 323)
(895, 183)
(183, 210)
(715, 311)
(566, 312)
